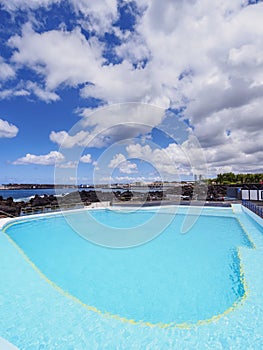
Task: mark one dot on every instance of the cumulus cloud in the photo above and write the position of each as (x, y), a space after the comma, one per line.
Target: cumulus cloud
(16, 93)
(7, 129)
(86, 158)
(27, 89)
(26, 4)
(47, 159)
(188, 48)
(82, 62)
(121, 121)
(42, 52)
(166, 161)
(187, 158)
(128, 168)
(98, 15)
(117, 159)
(125, 166)
(105, 126)
(62, 138)
(67, 165)
(42, 93)
(72, 164)
(6, 70)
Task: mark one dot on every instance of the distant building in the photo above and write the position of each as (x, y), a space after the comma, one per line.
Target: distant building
(139, 184)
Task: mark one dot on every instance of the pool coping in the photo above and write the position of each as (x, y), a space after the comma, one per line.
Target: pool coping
(234, 208)
(5, 221)
(8, 220)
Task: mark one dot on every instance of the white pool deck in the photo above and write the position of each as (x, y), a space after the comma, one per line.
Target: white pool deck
(71, 326)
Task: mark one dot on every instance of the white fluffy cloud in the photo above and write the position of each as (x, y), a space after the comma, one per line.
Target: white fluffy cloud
(171, 160)
(111, 124)
(6, 70)
(67, 165)
(98, 14)
(117, 160)
(58, 55)
(9, 93)
(86, 158)
(125, 166)
(81, 138)
(47, 159)
(7, 129)
(128, 167)
(123, 122)
(192, 47)
(42, 93)
(26, 4)
(27, 89)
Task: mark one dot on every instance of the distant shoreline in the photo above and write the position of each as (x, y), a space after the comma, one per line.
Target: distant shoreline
(35, 187)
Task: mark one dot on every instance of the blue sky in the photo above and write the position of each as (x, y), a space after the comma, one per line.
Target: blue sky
(113, 91)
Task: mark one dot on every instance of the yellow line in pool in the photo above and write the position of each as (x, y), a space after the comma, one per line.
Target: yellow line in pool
(246, 233)
(124, 319)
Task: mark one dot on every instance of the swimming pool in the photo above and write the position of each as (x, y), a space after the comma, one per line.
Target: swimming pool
(186, 290)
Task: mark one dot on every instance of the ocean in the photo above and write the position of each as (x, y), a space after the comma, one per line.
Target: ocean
(26, 195)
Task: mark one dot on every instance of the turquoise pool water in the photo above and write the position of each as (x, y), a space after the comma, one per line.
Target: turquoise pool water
(175, 280)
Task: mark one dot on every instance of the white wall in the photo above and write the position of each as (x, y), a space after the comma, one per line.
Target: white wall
(245, 194)
(253, 195)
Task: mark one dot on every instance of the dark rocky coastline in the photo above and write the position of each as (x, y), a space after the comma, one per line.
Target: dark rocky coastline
(186, 192)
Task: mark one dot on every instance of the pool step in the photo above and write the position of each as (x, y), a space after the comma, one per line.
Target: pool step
(237, 208)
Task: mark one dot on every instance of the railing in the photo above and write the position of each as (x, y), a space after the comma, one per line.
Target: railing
(55, 207)
(51, 208)
(253, 207)
(4, 214)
